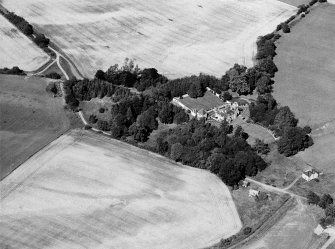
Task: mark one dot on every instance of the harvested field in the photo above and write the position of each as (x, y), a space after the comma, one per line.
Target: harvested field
(30, 119)
(295, 2)
(177, 37)
(89, 191)
(18, 50)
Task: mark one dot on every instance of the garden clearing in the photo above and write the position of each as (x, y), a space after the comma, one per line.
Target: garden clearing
(176, 37)
(89, 191)
(30, 119)
(18, 50)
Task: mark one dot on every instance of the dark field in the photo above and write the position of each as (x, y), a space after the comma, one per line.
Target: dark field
(30, 119)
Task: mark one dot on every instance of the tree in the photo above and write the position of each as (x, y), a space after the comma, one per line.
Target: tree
(214, 162)
(313, 198)
(325, 200)
(166, 113)
(176, 151)
(100, 75)
(230, 174)
(240, 85)
(147, 120)
(285, 118)
(268, 66)
(263, 84)
(261, 147)
(181, 117)
(286, 28)
(293, 140)
(226, 96)
(330, 210)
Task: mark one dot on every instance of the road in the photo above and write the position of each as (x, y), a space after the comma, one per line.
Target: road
(331, 232)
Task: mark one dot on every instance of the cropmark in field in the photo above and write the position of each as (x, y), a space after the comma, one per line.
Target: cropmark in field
(178, 37)
(17, 50)
(88, 191)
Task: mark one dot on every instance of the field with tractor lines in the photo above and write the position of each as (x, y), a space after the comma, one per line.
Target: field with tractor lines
(177, 37)
(18, 50)
(88, 191)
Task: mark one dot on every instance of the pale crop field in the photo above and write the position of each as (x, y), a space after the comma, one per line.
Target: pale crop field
(18, 50)
(89, 191)
(178, 37)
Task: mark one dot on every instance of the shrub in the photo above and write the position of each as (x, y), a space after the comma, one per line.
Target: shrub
(247, 230)
(53, 75)
(87, 127)
(330, 211)
(286, 28)
(52, 88)
(313, 198)
(101, 110)
(92, 119)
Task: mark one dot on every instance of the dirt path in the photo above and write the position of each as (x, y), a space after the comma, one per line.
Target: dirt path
(276, 189)
(331, 232)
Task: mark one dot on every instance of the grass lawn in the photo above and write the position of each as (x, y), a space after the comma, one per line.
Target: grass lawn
(253, 212)
(30, 119)
(305, 82)
(282, 170)
(306, 63)
(92, 108)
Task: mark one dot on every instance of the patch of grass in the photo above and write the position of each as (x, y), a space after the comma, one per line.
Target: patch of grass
(93, 106)
(54, 69)
(281, 170)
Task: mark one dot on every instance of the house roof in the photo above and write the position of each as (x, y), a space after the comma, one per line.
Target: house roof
(310, 172)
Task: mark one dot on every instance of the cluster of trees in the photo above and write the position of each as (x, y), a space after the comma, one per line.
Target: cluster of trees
(27, 29)
(41, 40)
(79, 90)
(20, 23)
(130, 75)
(13, 70)
(53, 75)
(326, 203)
(239, 79)
(137, 115)
(205, 146)
(282, 122)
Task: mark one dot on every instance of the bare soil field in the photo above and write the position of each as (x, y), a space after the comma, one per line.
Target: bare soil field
(305, 82)
(89, 191)
(294, 230)
(18, 50)
(29, 119)
(177, 37)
